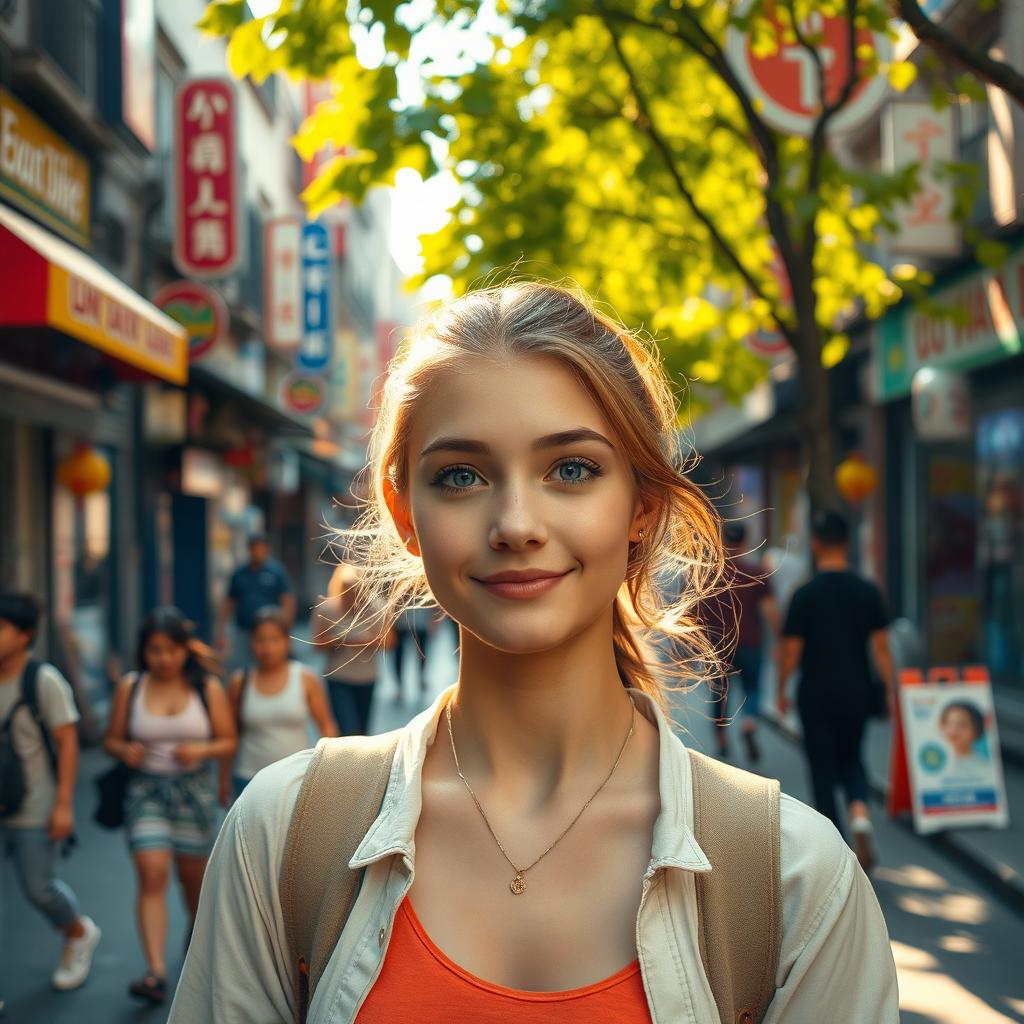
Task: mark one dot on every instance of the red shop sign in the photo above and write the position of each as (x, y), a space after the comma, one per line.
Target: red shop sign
(207, 215)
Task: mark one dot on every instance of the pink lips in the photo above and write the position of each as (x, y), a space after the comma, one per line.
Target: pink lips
(523, 584)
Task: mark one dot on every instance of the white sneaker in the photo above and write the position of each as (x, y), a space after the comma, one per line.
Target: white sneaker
(77, 958)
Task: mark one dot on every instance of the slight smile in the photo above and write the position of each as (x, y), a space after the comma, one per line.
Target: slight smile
(522, 585)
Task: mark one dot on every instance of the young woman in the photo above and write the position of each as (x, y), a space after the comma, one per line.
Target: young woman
(351, 669)
(534, 857)
(273, 703)
(168, 722)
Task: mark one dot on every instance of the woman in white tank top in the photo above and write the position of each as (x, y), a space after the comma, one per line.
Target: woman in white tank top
(274, 703)
(168, 722)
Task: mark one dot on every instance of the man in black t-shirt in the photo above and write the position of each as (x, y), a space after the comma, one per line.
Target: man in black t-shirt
(832, 622)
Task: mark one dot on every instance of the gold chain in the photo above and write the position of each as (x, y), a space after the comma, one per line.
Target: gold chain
(518, 884)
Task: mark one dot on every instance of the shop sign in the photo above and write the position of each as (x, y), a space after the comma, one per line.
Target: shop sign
(200, 310)
(785, 83)
(208, 207)
(85, 311)
(952, 752)
(138, 69)
(916, 133)
(41, 173)
(282, 292)
(941, 405)
(314, 353)
(303, 393)
(988, 327)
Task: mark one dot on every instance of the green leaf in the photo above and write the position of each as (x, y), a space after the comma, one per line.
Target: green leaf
(222, 17)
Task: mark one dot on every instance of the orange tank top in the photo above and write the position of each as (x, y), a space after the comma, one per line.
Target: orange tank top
(418, 984)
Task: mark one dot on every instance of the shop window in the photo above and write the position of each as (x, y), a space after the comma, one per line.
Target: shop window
(1000, 475)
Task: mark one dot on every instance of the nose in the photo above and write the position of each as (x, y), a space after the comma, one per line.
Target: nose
(516, 526)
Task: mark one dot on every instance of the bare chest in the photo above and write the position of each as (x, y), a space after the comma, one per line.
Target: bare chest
(575, 923)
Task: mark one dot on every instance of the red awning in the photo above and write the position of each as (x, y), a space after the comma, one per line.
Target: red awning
(46, 282)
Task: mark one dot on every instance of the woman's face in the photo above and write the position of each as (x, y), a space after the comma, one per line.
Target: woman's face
(513, 468)
(269, 644)
(958, 730)
(164, 658)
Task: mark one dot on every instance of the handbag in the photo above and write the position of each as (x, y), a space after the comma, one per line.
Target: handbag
(112, 785)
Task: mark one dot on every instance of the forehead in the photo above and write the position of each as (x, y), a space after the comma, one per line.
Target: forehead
(504, 402)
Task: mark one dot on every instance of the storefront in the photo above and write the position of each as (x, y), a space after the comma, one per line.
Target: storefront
(954, 391)
(76, 342)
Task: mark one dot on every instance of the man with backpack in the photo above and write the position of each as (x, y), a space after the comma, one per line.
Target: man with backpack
(38, 768)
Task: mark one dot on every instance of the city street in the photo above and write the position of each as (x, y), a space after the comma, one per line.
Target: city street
(957, 950)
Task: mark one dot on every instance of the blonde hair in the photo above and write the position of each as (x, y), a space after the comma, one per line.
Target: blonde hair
(624, 377)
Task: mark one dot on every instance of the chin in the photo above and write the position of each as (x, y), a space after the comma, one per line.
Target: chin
(518, 637)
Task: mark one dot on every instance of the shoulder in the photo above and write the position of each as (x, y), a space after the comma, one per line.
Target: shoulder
(818, 870)
(309, 677)
(51, 686)
(264, 812)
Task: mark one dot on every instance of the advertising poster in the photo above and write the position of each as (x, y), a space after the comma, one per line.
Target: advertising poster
(952, 745)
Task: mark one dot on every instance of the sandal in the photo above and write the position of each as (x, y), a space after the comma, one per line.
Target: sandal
(150, 987)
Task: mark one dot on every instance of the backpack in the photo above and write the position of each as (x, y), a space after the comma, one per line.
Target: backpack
(739, 903)
(13, 784)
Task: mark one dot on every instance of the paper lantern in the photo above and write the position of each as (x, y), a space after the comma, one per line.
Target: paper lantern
(84, 471)
(855, 479)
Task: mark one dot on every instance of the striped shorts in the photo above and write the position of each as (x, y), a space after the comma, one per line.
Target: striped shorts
(171, 812)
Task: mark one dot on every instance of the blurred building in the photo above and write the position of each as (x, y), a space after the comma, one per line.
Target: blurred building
(936, 406)
(206, 426)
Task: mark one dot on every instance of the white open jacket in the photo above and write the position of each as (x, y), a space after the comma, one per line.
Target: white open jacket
(835, 964)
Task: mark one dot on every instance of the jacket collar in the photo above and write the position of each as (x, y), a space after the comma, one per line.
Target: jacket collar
(393, 831)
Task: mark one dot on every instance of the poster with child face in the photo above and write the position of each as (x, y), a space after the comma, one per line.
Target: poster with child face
(956, 775)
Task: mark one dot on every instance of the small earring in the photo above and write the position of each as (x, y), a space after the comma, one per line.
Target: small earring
(640, 534)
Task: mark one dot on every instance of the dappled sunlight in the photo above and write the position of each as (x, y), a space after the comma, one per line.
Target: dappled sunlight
(912, 876)
(959, 944)
(960, 908)
(935, 996)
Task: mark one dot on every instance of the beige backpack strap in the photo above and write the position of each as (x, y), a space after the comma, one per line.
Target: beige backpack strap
(739, 902)
(338, 801)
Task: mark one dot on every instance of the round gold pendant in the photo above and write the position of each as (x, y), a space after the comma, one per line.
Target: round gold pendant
(518, 884)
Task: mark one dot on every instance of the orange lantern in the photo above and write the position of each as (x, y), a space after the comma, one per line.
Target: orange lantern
(84, 471)
(855, 479)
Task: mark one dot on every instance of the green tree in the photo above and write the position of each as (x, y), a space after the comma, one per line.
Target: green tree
(612, 142)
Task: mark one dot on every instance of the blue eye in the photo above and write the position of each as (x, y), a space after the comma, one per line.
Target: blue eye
(461, 477)
(577, 471)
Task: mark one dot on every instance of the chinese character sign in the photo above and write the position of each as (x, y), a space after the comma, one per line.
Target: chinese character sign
(916, 133)
(206, 236)
(314, 354)
(282, 296)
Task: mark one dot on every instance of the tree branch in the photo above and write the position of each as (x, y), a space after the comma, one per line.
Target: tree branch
(995, 72)
(646, 124)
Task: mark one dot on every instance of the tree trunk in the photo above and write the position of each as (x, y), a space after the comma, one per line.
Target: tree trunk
(816, 428)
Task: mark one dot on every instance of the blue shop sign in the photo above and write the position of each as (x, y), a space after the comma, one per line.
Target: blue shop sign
(314, 352)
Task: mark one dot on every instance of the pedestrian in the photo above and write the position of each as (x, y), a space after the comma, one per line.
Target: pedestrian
(260, 582)
(273, 702)
(413, 629)
(351, 647)
(748, 605)
(832, 622)
(169, 721)
(39, 756)
(527, 848)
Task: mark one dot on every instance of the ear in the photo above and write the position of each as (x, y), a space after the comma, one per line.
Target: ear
(401, 516)
(644, 516)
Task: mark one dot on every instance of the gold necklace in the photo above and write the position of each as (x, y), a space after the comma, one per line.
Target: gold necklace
(518, 884)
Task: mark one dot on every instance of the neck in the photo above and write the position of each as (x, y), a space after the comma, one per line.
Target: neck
(833, 561)
(13, 664)
(528, 723)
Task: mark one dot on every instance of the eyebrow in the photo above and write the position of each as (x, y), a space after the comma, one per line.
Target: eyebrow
(559, 440)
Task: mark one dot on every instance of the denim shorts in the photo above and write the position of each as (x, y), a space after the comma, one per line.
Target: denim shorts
(176, 812)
